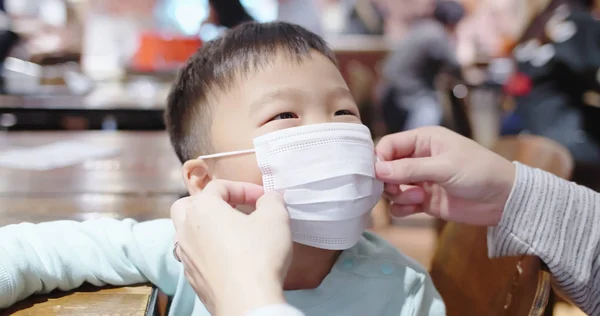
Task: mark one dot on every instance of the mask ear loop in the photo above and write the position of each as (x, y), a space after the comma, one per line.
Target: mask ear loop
(231, 153)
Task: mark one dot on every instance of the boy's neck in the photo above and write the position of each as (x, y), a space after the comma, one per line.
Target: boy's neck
(309, 267)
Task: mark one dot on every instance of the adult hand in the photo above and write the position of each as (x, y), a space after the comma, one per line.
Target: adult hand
(439, 172)
(235, 262)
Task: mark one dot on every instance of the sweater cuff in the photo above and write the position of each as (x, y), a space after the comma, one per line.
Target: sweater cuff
(7, 287)
(276, 310)
(532, 198)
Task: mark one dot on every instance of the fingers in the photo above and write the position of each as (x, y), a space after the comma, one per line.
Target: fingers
(234, 193)
(407, 195)
(397, 146)
(391, 188)
(414, 170)
(413, 143)
(398, 210)
(271, 207)
(406, 201)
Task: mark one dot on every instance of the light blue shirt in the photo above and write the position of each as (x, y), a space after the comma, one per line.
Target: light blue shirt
(371, 278)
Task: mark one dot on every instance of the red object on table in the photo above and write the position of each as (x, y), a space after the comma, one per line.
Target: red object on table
(157, 51)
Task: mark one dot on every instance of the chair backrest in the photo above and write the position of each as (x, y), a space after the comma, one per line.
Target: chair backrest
(538, 152)
(472, 284)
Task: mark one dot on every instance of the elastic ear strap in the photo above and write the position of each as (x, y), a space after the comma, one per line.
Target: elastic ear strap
(231, 153)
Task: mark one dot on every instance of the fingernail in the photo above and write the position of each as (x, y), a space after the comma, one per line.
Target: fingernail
(383, 168)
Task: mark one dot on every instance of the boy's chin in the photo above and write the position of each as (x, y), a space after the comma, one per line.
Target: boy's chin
(309, 267)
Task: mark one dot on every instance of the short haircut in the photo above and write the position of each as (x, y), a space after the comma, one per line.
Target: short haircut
(220, 65)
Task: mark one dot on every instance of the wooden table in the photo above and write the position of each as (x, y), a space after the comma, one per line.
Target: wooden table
(130, 301)
(145, 165)
(140, 182)
(139, 300)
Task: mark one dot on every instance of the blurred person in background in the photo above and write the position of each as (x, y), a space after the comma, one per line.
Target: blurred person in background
(47, 30)
(400, 16)
(408, 95)
(227, 13)
(557, 84)
(391, 18)
(364, 17)
(230, 13)
(306, 13)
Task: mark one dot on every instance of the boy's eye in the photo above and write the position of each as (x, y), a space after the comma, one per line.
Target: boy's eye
(343, 112)
(284, 116)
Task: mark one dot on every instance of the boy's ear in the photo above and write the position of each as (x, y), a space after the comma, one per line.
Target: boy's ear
(195, 175)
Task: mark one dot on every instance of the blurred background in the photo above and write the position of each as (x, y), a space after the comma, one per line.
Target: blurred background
(96, 73)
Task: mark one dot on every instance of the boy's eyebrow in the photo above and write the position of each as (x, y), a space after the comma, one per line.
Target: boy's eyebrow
(340, 93)
(293, 93)
(279, 94)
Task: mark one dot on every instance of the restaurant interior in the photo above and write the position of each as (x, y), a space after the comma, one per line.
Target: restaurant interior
(84, 85)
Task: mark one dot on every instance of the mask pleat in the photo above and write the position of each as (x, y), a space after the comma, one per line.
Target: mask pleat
(326, 174)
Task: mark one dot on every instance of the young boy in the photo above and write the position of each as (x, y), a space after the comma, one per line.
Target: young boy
(258, 79)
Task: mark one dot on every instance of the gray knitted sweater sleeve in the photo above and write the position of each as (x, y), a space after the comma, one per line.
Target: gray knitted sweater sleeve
(559, 222)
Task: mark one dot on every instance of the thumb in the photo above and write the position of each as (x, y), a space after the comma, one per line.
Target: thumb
(414, 170)
(271, 206)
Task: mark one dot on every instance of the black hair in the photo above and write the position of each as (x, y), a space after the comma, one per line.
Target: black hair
(449, 12)
(230, 13)
(220, 65)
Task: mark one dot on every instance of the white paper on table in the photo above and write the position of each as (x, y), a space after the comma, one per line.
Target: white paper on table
(55, 155)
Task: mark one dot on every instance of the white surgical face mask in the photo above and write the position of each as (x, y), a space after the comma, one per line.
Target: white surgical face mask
(326, 175)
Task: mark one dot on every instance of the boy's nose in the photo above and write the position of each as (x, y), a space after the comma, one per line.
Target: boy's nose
(317, 118)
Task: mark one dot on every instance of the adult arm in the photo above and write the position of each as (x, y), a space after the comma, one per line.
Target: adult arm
(64, 254)
(438, 172)
(558, 221)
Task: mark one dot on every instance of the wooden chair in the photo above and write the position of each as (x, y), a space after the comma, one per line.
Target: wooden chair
(472, 284)
(538, 152)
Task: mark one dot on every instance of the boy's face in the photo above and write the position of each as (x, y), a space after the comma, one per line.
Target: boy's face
(281, 95)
